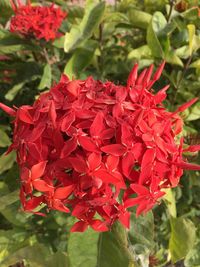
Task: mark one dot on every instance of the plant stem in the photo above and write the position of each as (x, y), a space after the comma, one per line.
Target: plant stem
(182, 76)
(46, 56)
(101, 47)
(171, 3)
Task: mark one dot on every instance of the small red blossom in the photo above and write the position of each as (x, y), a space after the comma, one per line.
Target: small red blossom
(85, 142)
(40, 22)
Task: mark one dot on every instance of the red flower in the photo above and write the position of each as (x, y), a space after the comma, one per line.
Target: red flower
(85, 142)
(40, 22)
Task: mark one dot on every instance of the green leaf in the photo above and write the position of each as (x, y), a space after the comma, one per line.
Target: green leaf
(182, 238)
(82, 249)
(5, 4)
(7, 161)
(113, 248)
(182, 52)
(35, 256)
(4, 139)
(194, 113)
(193, 257)
(139, 18)
(10, 95)
(46, 78)
(58, 259)
(9, 199)
(59, 42)
(92, 18)
(10, 43)
(170, 202)
(80, 59)
(12, 214)
(140, 52)
(191, 31)
(172, 58)
(11, 241)
(195, 64)
(141, 236)
(115, 17)
(157, 24)
(190, 14)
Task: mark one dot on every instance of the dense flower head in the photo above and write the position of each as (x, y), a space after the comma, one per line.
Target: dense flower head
(40, 22)
(95, 149)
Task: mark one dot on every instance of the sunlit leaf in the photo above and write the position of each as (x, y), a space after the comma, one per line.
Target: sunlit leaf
(4, 139)
(10, 95)
(7, 161)
(157, 24)
(92, 17)
(139, 18)
(170, 202)
(80, 59)
(46, 78)
(8, 199)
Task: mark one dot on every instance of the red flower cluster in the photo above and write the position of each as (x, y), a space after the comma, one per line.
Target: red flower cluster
(88, 147)
(40, 22)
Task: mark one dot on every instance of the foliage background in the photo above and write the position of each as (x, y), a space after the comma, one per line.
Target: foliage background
(104, 41)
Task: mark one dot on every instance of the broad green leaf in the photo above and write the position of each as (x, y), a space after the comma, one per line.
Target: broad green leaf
(82, 249)
(3, 188)
(59, 42)
(143, 63)
(7, 161)
(35, 256)
(194, 113)
(80, 59)
(195, 64)
(114, 249)
(11, 241)
(173, 59)
(193, 257)
(4, 139)
(183, 52)
(14, 215)
(140, 52)
(182, 238)
(8, 199)
(139, 18)
(190, 14)
(157, 24)
(116, 17)
(46, 78)
(11, 43)
(92, 18)
(58, 259)
(10, 95)
(152, 5)
(170, 202)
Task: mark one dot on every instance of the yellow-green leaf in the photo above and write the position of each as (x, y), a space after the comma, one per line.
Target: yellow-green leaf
(182, 239)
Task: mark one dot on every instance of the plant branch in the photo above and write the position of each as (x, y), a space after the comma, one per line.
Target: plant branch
(171, 3)
(45, 53)
(182, 76)
(101, 46)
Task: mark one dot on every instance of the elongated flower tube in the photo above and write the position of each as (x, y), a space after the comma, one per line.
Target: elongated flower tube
(85, 142)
